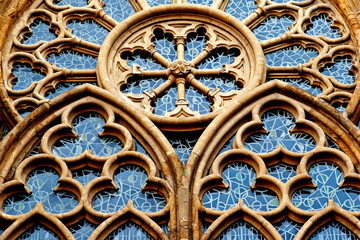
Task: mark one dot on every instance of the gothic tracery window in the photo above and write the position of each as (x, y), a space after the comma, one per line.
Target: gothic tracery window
(152, 119)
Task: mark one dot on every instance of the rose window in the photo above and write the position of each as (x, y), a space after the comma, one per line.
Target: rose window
(182, 119)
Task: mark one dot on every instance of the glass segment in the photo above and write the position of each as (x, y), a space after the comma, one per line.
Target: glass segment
(273, 27)
(40, 31)
(166, 103)
(241, 8)
(138, 86)
(38, 232)
(282, 171)
(74, 3)
(290, 56)
(333, 231)
(89, 30)
(129, 231)
(240, 230)
(118, 9)
(339, 69)
(86, 174)
(72, 60)
(82, 230)
(287, 228)
(195, 44)
(321, 26)
(25, 75)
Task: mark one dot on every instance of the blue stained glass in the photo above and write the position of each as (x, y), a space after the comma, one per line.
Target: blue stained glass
(41, 182)
(287, 228)
(146, 64)
(38, 232)
(165, 227)
(24, 112)
(35, 150)
(278, 124)
(217, 60)
(40, 31)
(72, 60)
(282, 171)
(140, 148)
(153, 3)
(82, 230)
(339, 69)
(340, 106)
(129, 231)
(197, 101)
(321, 25)
(166, 103)
(205, 226)
(86, 174)
(183, 143)
(240, 230)
(333, 231)
(89, 30)
(284, 1)
(130, 179)
(303, 84)
(228, 145)
(74, 3)
(332, 144)
(240, 177)
(225, 84)
(241, 8)
(290, 56)
(203, 2)
(88, 127)
(118, 9)
(273, 27)
(25, 75)
(166, 47)
(138, 86)
(326, 177)
(63, 87)
(5, 131)
(194, 46)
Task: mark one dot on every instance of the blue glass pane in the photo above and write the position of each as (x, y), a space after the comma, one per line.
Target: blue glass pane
(333, 231)
(278, 124)
(197, 101)
(24, 112)
(203, 2)
(40, 32)
(118, 9)
(130, 179)
(82, 230)
(225, 84)
(240, 230)
(41, 182)
(72, 60)
(340, 70)
(217, 60)
(340, 106)
(5, 131)
(241, 8)
(38, 232)
(332, 144)
(287, 228)
(282, 171)
(205, 226)
(74, 3)
(228, 145)
(273, 27)
(88, 127)
(284, 1)
(166, 103)
(35, 150)
(326, 177)
(321, 25)
(194, 46)
(63, 87)
(183, 143)
(153, 3)
(303, 84)
(138, 86)
(166, 47)
(290, 56)
(25, 75)
(86, 174)
(140, 148)
(88, 30)
(129, 231)
(165, 227)
(145, 63)
(240, 177)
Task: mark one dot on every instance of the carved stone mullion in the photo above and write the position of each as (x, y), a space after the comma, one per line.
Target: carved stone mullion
(180, 47)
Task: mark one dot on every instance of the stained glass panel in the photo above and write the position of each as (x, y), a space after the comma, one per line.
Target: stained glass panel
(339, 70)
(217, 60)
(197, 101)
(88, 127)
(287, 228)
(333, 231)
(89, 30)
(166, 47)
(38, 232)
(25, 75)
(74, 3)
(130, 179)
(82, 230)
(225, 84)
(118, 9)
(86, 174)
(241, 8)
(195, 44)
(273, 27)
(282, 171)
(40, 31)
(129, 231)
(138, 86)
(240, 177)
(166, 103)
(145, 63)
(153, 3)
(72, 60)
(240, 230)
(203, 2)
(321, 25)
(290, 56)
(41, 182)
(278, 123)
(326, 177)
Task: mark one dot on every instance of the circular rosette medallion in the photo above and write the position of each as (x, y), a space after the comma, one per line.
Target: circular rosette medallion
(189, 66)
